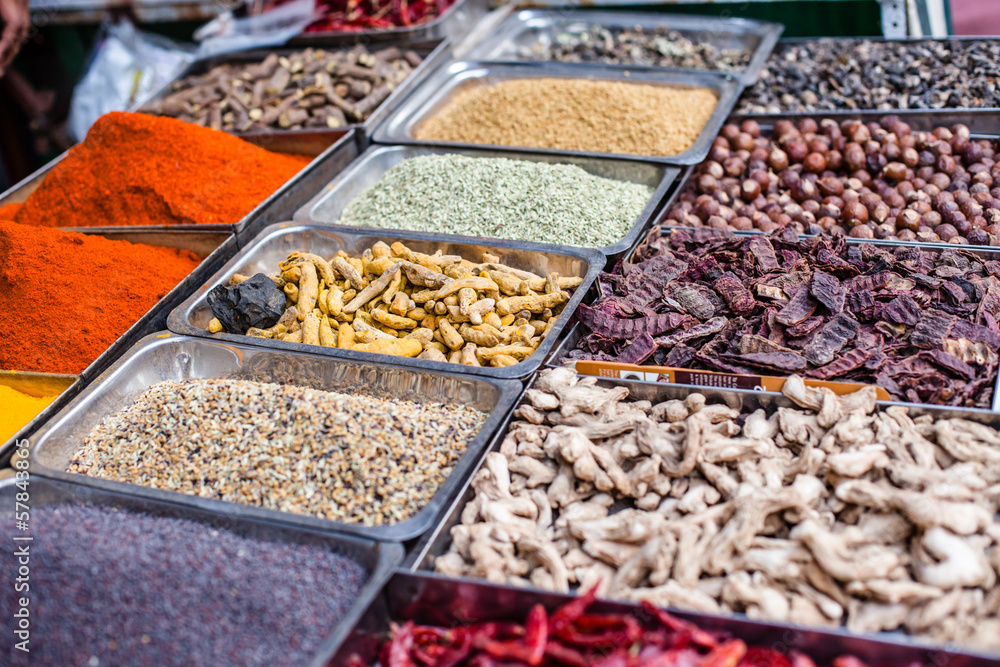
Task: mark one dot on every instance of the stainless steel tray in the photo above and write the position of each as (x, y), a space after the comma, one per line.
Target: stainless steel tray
(435, 53)
(331, 148)
(432, 599)
(437, 541)
(576, 333)
(379, 559)
(327, 206)
(63, 387)
(438, 89)
(274, 244)
(531, 26)
(458, 18)
(164, 356)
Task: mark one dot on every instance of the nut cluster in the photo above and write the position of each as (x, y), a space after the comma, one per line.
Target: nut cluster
(867, 180)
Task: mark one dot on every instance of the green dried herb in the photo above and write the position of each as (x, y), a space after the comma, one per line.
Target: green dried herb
(501, 198)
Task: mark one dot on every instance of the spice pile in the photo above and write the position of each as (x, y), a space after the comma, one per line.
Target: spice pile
(831, 514)
(310, 88)
(137, 169)
(18, 410)
(395, 301)
(859, 74)
(367, 15)
(93, 290)
(876, 180)
(658, 47)
(346, 458)
(575, 115)
(921, 324)
(572, 636)
(120, 588)
(501, 198)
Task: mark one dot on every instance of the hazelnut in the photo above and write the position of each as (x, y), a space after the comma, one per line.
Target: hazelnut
(885, 231)
(906, 235)
(854, 157)
(862, 232)
(707, 183)
(894, 171)
(876, 162)
(892, 152)
(717, 222)
(713, 169)
(830, 186)
(788, 178)
(733, 166)
(814, 163)
(946, 164)
(751, 127)
(750, 189)
(797, 150)
(818, 146)
(910, 157)
(742, 223)
(744, 142)
(978, 237)
(718, 153)
(730, 132)
(880, 212)
(895, 200)
(908, 219)
(808, 126)
(946, 232)
(778, 159)
(961, 130)
(803, 190)
(855, 214)
(932, 218)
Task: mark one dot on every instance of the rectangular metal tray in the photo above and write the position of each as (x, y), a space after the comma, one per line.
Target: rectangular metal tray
(435, 53)
(164, 356)
(437, 541)
(63, 387)
(458, 18)
(333, 148)
(274, 244)
(380, 559)
(527, 27)
(328, 205)
(432, 599)
(438, 89)
(575, 333)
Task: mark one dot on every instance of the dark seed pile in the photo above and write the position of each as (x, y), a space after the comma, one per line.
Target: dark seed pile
(832, 74)
(111, 587)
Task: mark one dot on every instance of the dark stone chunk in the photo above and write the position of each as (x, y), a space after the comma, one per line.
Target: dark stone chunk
(256, 302)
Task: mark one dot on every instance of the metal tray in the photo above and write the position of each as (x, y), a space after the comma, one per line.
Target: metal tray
(274, 244)
(456, 20)
(330, 148)
(432, 599)
(438, 89)
(379, 559)
(434, 52)
(163, 356)
(327, 206)
(529, 27)
(983, 124)
(63, 387)
(436, 542)
(576, 333)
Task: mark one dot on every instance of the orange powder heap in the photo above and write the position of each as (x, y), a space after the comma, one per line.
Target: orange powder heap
(66, 297)
(137, 169)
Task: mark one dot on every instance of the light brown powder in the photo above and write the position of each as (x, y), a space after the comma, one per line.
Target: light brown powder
(575, 114)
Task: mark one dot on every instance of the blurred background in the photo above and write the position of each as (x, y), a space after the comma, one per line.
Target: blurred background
(81, 58)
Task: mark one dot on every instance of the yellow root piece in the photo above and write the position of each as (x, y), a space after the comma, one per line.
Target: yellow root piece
(292, 275)
(215, 326)
(480, 309)
(237, 278)
(389, 295)
(350, 272)
(321, 303)
(308, 289)
(294, 337)
(533, 304)
(523, 332)
(345, 337)
(323, 267)
(310, 330)
(254, 332)
(455, 357)
(415, 314)
(473, 282)
(335, 301)
(503, 360)
(423, 296)
(425, 336)
(480, 337)
(377, 267)
(440, 347)
(393, 321)
(508, 284)
(373, 290)
(432, 354)
(381, 249)
(469, 355)
(363, 327)
(292, 292)
(450, 335)
(399, 347)
(466, 297)
(429, 322)
(519, 352)
(326, 336)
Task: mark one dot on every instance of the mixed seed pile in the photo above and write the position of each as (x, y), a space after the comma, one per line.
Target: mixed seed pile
(115, 587)
(658, 47)
(310, 88)
(830, 74)
(353, 459)
(393, 300)
(498, 197)
(575, 115)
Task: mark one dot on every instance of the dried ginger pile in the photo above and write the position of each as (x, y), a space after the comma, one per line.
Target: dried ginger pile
(827, 515)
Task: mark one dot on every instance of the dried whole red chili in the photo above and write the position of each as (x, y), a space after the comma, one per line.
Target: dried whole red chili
(567, 639)
(364, 15)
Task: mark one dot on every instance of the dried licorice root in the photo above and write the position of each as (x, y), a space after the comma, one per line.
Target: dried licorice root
(919, 323)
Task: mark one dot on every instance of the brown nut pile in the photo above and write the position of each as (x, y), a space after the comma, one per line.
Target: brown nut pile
(393, 300)
(829, 512)
(876, 180)
(310, 88)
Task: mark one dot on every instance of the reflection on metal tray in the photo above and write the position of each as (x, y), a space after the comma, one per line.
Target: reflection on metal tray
(38, 385)
(439, 87)
(434, 53)
(453, 23)
(379, 559)
(163, 356)
(274, 245)
(329, 204)
(432, 599)
(329, 147)
(528, 27)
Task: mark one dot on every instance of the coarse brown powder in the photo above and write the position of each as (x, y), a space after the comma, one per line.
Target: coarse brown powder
(575, 114)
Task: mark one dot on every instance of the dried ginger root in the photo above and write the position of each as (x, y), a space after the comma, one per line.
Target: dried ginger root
(394, 300)
(835, 513)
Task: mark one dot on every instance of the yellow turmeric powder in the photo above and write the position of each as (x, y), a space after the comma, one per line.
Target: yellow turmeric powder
(18, 410)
